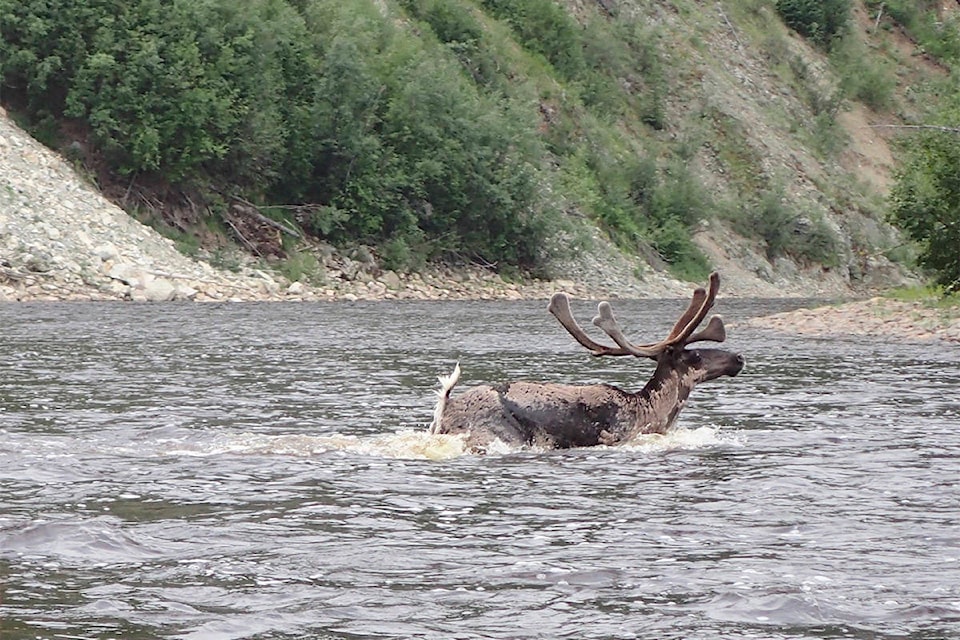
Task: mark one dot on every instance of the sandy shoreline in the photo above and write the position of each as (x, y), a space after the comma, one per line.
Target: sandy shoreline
(880, 317)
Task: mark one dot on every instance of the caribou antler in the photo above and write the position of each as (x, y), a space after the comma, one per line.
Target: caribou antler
(694, 315)
(560, 307)
(681, 334)
(611, 327)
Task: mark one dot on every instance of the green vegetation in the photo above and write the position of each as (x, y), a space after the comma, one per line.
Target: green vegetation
(321, 102)
(930, 296)
(456, 130)
(937, 35)
(926, 199)
(821, 21)
(786, 231)
(416, 141)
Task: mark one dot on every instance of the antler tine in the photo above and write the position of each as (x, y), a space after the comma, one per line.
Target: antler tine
(606, 321)
(698, 296)
(714, 331)
(560, 308)
(708, 300)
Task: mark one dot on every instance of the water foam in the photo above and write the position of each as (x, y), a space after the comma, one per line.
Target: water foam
(422, 445)
(403, 444)
(681, 438)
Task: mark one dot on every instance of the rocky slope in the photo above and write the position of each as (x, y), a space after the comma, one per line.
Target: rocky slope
(61, 240)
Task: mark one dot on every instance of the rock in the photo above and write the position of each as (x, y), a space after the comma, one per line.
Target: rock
(52, 232)
(127, 273)
(350, 269)
(159, 290)
(106, 251)
(295, 289)
(376, 288)
(390, 279)
(36, 263)
(186, 292)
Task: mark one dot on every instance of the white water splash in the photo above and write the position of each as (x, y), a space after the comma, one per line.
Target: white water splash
(404, 444)
(421, 445)
(681, 438)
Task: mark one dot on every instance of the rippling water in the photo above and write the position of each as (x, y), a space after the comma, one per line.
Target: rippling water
(261, 471)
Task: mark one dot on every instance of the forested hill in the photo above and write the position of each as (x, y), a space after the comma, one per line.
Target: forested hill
(746, 135)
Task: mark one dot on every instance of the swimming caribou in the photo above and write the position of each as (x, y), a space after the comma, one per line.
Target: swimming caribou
(555, 415)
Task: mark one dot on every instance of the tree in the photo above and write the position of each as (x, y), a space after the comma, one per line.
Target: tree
(926, 198)
(819, 20)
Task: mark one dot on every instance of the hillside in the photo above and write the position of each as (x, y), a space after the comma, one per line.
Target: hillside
(616, 146)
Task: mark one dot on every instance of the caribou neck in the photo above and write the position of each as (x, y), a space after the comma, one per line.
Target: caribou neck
(660, 401)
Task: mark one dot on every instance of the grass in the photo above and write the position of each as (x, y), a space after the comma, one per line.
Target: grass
(930, 296)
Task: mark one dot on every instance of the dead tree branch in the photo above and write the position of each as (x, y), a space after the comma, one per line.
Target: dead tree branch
(729, 25)
(248, 208)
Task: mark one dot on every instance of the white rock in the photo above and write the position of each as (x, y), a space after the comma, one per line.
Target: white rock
(185, 292)
(377, 288)
(117, 288)
(295, 288)
(263, 275)
(106, 251)
(52, 232)
(159, 290)
(127, 273)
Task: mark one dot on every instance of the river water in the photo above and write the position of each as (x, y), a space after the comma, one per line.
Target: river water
(261, 471)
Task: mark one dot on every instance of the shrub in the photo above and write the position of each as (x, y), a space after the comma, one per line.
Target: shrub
(544, 27)
(672, 241)
(456, 28)
(926, 201)
(862, 77)
(938, 35)
(303, 266)
(169, 89)
(788, 232)
(641, 207)
(821, 21)
(324, 105)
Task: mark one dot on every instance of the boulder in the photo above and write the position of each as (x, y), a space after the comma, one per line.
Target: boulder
(390, 279)
(159, 290)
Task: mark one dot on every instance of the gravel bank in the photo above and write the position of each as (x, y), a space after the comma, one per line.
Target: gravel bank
(874, 317)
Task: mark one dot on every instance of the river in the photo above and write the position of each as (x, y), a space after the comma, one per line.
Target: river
(261, 471)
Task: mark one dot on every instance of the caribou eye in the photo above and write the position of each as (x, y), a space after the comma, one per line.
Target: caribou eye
(695, 357)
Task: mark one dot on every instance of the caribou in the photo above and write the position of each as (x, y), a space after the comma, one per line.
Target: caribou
(552, 415)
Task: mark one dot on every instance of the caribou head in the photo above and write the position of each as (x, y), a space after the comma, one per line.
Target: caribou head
(561, 416)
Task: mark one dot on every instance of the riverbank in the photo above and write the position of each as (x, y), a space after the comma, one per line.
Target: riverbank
(874, 317)
(61, 239)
